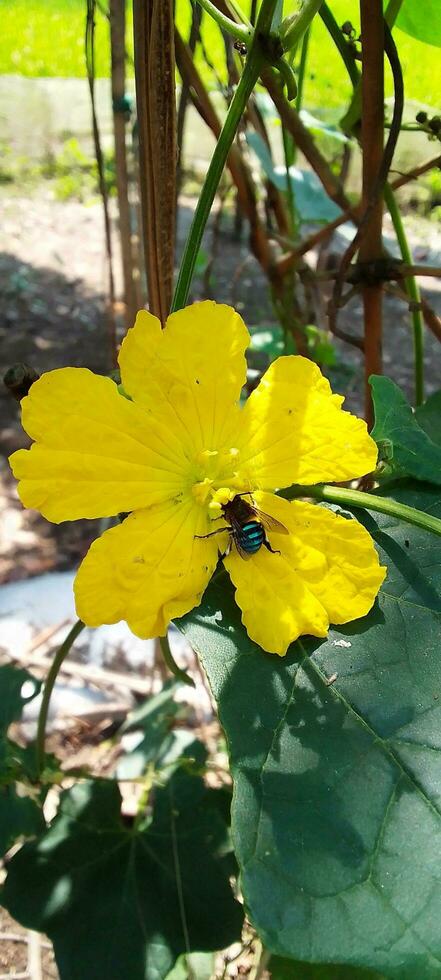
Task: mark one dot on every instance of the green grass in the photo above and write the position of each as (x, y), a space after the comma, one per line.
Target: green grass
(46, 38)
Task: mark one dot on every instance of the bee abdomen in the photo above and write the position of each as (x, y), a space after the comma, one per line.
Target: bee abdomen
(251, 537)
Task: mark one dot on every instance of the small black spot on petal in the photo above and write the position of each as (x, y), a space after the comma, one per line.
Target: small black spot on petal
(197, 380)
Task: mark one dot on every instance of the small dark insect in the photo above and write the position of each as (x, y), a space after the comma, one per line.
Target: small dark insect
(407, 545)
(247, 526)
(241, 47)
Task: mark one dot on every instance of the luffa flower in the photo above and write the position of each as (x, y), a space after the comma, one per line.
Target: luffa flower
(180, 449)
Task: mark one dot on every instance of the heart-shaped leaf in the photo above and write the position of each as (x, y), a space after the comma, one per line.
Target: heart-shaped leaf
(122, 901)
(403, 443)
(19, 815)
(336, 758)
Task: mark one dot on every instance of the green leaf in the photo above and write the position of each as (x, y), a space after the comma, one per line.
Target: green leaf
(284, 969)
(402, 441)
(123, 901)
(197, 966)
(157, 744)
(17, 687)
(320, 128)
(311, 201)
(19, 815)
(336, 814)
(267, 343)
(428, 417)
(421, 19)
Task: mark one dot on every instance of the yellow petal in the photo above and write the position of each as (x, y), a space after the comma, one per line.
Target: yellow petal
(195, 369)
(294, 430)
(328, 572)
(96, 452)
(147, 570)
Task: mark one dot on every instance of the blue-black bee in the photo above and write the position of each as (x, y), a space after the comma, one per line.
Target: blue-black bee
(247, 526)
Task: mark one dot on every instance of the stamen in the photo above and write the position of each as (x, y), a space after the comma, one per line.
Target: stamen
(201, 491)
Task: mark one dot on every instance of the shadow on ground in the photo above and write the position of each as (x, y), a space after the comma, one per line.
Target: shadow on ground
(47, 321)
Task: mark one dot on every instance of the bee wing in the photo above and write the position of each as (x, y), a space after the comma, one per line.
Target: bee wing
(270, 523)
(235, 524)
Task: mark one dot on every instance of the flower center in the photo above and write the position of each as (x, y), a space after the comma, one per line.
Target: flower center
(215, 479)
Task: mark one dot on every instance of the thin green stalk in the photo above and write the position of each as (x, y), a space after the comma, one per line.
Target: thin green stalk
(288, 150)
(169, 659)
(247, 82)
(239, 31)
(413, 292)
(48, 688)
(235, 8)
(367, 501)
(294, 27)
(334, 30)
(302, 69)
(288, 76)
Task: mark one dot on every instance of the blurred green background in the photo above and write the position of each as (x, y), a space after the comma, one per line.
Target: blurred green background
(46, 38)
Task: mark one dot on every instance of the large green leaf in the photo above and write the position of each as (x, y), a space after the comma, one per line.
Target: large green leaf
(429, 417)
(19, 815)
(337, 802)
(403, 443)
(122, 902)
(421, 19)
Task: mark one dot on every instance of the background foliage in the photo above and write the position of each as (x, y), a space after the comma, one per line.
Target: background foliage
(45, 38)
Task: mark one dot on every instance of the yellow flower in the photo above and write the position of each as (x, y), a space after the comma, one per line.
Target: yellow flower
(180, 450)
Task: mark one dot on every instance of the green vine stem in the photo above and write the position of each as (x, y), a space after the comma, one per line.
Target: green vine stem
(294, 27)
(169, 659)
(413, 293)
(239, 31)
(53, 672)
(251, 72)
(367, 501)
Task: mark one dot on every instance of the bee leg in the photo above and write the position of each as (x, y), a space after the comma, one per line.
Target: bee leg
(269, 548)
(210, 535)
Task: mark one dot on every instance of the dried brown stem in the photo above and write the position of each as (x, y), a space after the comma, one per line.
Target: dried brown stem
(304, 141)
(155, 99)
(432, 321)
(117, 15)
(289, 260)
(241, 177)
(415, 172)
